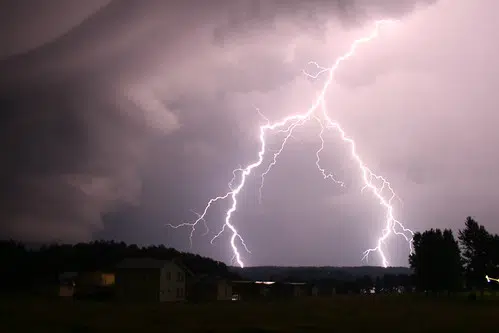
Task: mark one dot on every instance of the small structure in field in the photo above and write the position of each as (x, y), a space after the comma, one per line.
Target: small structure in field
(312, 290)
(67, 284)
(286, 290)
(250, 290)
(95, 285)
(210, 288)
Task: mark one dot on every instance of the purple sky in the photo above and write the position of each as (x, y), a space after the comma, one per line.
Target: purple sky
(120, 116)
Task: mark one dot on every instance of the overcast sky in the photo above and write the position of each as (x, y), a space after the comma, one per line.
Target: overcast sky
(118, 117)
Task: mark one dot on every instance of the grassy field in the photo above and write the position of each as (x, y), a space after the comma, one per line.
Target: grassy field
(340, 314)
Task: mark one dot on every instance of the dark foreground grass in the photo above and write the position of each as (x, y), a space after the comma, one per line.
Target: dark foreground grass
(339, 314)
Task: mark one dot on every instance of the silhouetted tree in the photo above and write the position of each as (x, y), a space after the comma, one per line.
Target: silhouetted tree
(453, 270)
(478, 253)
(494, 248)
(436, 261)
(493, 270)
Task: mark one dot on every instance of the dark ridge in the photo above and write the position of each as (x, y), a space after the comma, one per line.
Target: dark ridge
(316, 273)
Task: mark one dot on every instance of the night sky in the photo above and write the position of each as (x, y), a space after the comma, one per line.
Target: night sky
(119, 117)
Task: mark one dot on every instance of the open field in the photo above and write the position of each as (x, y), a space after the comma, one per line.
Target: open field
(339, 314)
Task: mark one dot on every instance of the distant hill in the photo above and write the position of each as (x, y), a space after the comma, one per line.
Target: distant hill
(315, 273)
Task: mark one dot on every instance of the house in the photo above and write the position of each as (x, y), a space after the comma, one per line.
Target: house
(96, 278)
(94, 284)
(67, 284)
(250, 290)
(210, 288)
(147, 279)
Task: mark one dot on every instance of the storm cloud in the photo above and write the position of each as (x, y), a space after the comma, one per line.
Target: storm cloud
(135, 112)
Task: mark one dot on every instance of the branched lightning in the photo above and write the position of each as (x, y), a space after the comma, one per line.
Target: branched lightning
(325, 174)
(377, 185)
(289, 133)
(193, 224)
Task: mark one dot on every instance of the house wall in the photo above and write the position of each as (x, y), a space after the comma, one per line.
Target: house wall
(108, 279)
(224, 291)
(94, 284)
(66, 291)
(138, 284)
(172, 285)
(96, 279)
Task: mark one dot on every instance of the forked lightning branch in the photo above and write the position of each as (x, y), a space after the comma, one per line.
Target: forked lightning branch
(378, 186)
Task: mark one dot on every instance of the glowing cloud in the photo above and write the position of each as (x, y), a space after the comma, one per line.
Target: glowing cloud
(377, 185)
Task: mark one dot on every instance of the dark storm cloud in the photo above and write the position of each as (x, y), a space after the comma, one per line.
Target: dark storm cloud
(127, 31)
(21, 30)
(130, 106)
(253, 15)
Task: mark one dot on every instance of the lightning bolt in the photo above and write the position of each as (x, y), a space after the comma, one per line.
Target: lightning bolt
(489, 279)
(377, 185)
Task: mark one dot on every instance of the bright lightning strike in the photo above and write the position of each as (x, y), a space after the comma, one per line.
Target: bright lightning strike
(377, 185)
(489, 279)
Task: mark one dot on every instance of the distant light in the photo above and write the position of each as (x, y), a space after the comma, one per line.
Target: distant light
(265, 282)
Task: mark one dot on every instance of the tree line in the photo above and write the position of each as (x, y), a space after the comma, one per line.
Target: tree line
(23, 268)
(443, 263)
(439, 262)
